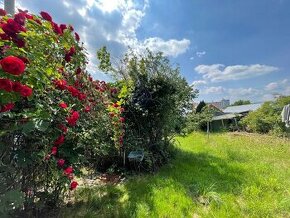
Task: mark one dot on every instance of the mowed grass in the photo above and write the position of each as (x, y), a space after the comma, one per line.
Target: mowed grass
(227, 175)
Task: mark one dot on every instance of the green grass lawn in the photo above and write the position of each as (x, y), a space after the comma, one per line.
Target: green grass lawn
(227, 175)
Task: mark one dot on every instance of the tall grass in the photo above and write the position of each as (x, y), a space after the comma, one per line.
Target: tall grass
(227, 175)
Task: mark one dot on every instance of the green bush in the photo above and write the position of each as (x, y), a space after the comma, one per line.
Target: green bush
(155, 98)
(267, 119)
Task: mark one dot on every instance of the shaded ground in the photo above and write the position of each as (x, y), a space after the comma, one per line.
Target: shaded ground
(227, 175)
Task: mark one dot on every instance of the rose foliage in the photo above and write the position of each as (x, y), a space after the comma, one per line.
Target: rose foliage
(54, 118)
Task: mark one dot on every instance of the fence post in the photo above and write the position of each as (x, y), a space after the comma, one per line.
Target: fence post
(9, 6)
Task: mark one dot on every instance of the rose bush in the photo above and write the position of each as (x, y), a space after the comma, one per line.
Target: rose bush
(55, 119)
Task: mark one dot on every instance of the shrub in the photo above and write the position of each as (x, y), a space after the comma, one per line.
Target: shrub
(267, 119)
(55, 119)
(155, 98)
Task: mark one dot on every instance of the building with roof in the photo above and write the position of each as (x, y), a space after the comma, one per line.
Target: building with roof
(231, 115)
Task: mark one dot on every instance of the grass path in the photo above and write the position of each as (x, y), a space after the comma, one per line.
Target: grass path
(227, 175)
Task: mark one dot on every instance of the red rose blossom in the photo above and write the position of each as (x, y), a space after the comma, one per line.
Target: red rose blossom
(68, 171)
(61, 84)
(87, 109)
(56, 28)
(12, 65)
(11, 28)
(46, 16)
(73, 91)
(62, 27)
(17, 86)
(60, 162)
(20, 18)
(2, 12)
(81, 96)
(59, 140)
(73, 118)
(63, 128)
(77, 37)
(78, 71)
(25, 91)
(54, 150)
(6, 84)
(73, 185)
(122, 119)
(63, 105)
(7, 107)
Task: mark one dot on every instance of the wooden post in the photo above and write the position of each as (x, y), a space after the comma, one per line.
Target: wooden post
(223, 123)
(9, 6)
(207, 129)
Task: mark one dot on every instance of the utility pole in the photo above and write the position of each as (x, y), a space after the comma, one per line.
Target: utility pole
(9, 6)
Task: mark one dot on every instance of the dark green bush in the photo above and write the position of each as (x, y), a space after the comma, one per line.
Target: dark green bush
(156, 98)
(267, 119)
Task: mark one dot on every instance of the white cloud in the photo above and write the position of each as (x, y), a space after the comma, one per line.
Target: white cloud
(213, 89)
(191, 58)
(198, 83)
(170, 47)
(111, 23)
(272, 86)
(200, 53)
(220, 72)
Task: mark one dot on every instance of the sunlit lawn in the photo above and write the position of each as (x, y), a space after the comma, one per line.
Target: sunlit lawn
(227, 175)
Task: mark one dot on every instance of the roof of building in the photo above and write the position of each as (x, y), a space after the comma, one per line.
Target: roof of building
(242, 108)
(225, 116)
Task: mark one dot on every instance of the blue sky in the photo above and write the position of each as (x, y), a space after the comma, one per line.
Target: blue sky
(227, 49)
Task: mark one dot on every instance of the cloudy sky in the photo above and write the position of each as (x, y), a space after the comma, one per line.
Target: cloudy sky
(227, 49)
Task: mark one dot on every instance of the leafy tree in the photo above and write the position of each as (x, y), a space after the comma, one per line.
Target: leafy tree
(156, 99)
(200, 106)
(241, 102)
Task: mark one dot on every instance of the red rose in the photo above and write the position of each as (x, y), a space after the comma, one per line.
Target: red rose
(54, 150)
(3, 36)
(73, 118)
(56, 28)
(87, 109)
(6, 84)
(13, 65)
(77, 37)
(59, 140)
(63, 105)
(73, 185)
(115, 105)
(68, 171)
(62, 27)
(19, 42)
(60, 162)
(67, 57)
(73, 91)
(2, 12)
(71, 28)
(122, 119)
(112, 114)
(63, 128)
(20, 18)
(29, 17)
(25, 91)
(7, 107)
(11, 28)
(81, 96)
(17, 86)
(72, 50)
(61, 84)
(78, 71)
(46, 16)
